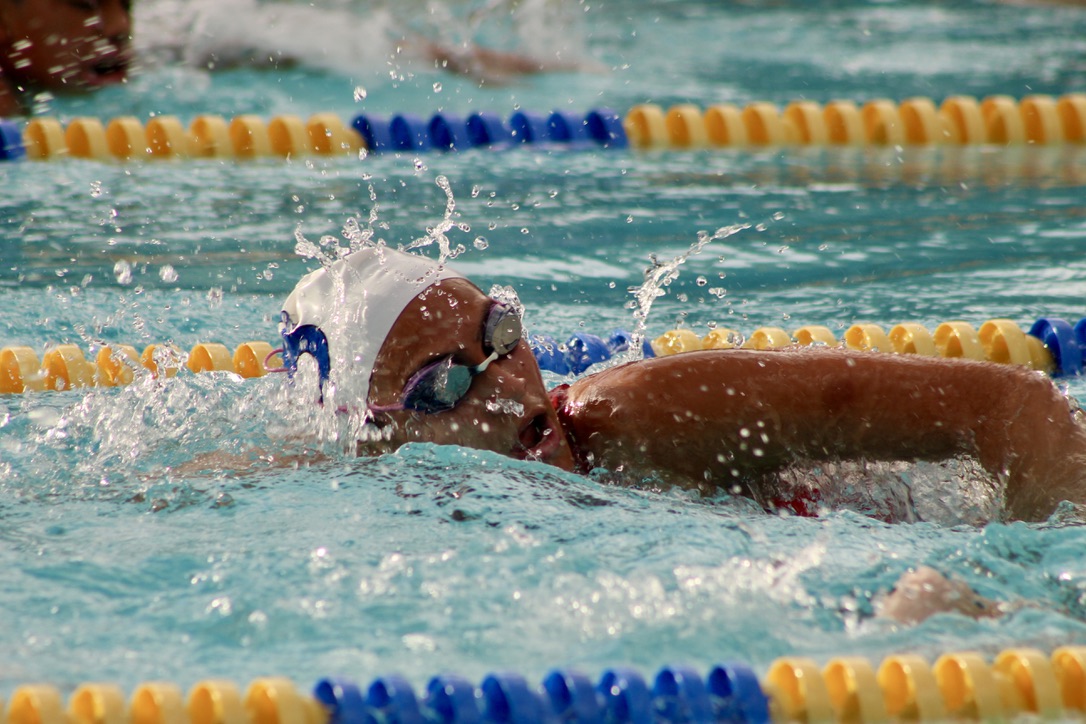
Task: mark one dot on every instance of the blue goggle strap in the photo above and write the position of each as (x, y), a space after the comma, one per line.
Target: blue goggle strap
(307, 339)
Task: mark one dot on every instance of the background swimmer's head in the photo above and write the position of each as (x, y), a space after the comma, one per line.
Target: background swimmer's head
(342, 314)
(60, 45)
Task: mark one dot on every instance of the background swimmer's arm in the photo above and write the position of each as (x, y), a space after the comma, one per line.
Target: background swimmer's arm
(486, 64)
(737, 415)
(924, 592)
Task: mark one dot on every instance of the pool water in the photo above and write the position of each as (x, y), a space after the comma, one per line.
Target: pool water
(181, 529)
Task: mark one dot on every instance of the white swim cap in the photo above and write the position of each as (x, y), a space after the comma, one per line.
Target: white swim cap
(341, 314)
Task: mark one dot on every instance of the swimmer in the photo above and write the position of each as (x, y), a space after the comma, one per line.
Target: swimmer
(219, 35)
(425, 356)
(60, 46)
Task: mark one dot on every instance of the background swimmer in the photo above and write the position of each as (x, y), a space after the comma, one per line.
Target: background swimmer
(222, 34)
(61, 46)
(425, 355)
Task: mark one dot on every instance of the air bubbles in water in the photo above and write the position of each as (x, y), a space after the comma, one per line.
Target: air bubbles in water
(167, 274)
(481, 243)
(701, 281)
(122, 270)
(214, 296)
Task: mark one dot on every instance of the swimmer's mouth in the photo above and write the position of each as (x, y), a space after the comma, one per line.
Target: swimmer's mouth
(110, 70)
(537, 440)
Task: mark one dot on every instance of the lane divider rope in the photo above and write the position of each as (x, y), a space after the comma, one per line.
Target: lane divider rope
(959, 120)
(64, 366)
(249, 136)
(1018, 683)
(1051, 345)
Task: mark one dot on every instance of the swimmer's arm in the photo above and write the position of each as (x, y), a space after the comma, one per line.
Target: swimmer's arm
(736, 415)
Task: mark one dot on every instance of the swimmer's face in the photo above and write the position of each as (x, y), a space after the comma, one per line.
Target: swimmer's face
(506, 409)
(64, 45)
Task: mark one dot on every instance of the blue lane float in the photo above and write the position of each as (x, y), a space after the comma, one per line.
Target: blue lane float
(343, 700)
(488, 129)
(375, 133)
(409, 133)
(11, 141)
(528, 127)
(626, 697)
(605, 127)
(679, 695)
(508, 699)
(450, 699)
(572, 697)
(1062, 342)
(450, 132)
(581, 351)
(566, 127)
(736, 694)
(391, 699)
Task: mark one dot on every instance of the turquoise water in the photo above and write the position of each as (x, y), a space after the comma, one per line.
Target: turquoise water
(132, 556)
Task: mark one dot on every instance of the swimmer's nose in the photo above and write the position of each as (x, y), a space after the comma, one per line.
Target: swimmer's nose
(115, 22)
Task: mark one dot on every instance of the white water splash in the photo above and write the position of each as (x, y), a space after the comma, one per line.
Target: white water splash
(658, 277)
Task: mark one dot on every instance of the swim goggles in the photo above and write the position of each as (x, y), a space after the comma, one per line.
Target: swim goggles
(443, 383)
(437, 387)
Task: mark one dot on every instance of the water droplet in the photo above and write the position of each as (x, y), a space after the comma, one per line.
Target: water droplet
(437, 87)
(359, 93)
(167, 274)
(778, 215)
(122, 270)
(96, 189)
(701, 281)
(481, 243)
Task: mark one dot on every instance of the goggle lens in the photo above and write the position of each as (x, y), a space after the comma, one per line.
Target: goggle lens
(442, 384)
